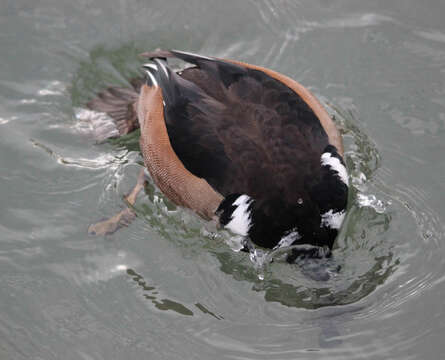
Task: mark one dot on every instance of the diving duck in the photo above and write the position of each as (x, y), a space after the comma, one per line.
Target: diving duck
(237, 143)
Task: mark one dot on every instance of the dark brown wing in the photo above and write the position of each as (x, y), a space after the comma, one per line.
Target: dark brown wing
(243, 131)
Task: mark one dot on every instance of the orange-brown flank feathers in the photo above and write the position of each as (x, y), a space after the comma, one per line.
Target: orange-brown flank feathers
(170, 175)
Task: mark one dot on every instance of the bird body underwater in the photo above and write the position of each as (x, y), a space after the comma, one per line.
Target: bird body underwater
(237, 143)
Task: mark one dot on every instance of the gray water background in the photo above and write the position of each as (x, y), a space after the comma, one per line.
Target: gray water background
(168, 287)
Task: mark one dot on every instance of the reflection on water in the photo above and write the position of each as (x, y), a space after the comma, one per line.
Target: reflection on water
(150, 293)
(304, 291)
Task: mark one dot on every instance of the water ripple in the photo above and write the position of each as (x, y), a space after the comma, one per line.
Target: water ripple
(388, 253)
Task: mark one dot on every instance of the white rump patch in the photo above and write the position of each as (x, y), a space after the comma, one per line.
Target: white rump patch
(332, 220)
(328, 160)
(241, 216)
(288, 239)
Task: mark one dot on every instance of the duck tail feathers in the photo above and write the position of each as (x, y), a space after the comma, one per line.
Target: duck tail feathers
(113, 111)
(173, 86)
(191, 58)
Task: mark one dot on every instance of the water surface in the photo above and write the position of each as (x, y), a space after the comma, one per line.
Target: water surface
(169, 286)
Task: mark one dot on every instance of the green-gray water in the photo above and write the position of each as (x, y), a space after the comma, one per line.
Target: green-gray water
(168, 286)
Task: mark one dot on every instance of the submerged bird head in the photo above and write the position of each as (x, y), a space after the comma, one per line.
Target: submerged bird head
(272, 227)
(275, 221)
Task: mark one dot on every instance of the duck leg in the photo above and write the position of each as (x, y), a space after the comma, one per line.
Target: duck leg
(123, 218)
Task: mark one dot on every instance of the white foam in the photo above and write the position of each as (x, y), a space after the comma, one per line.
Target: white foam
(288, 239)
(370, 200)
(100, 124)
(53, 88)
(236, 243)
(28, 101)
(332, 219)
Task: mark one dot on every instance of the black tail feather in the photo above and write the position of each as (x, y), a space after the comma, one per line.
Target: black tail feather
(228, 71)
(173, 86)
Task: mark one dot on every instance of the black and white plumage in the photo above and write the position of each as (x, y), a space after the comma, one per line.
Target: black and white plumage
(261, 141)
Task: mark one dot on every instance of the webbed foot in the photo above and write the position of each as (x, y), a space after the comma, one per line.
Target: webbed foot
(124, 217)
